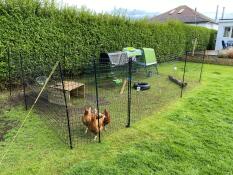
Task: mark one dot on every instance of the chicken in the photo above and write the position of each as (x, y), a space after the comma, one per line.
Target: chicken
(90, 120)
(86, 118)
(97, 125)
(107, 118)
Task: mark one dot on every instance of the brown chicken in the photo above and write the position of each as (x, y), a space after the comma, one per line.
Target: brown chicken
(86, 118)
(96, 126)
(90, 120)
(107, 118)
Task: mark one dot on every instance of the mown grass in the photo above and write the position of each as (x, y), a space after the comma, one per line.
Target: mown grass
(193, 135)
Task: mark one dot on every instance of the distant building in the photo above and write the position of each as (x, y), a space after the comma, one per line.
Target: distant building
(187, 15)
(225, 34)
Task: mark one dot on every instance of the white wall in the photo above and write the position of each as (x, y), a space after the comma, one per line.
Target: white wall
(221, 27)
(207, 25)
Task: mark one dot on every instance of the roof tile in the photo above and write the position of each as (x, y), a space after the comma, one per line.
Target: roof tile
(186, 15)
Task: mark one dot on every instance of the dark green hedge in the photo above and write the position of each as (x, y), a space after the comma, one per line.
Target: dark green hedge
(42, 32)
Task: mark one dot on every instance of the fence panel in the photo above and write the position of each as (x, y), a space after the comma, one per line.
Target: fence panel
(86, 104)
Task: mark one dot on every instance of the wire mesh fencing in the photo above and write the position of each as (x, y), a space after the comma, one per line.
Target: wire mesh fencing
(194, 70)
(80, 116)
(47, 88)
(113, 87)
(85, 103)
(82, 104)
(12, 88)
(174, 78)
(101, 106)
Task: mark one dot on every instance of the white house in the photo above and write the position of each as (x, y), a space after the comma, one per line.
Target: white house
(209, 25)
(187, 15)
(225, 34)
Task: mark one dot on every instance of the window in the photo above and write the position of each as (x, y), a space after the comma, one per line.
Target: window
(227, 31)
(172, 12)
(180, 11)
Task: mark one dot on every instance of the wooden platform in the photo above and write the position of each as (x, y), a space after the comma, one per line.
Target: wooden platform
(72, 89)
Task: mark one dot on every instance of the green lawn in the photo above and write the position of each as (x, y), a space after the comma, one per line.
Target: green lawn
(193, 135)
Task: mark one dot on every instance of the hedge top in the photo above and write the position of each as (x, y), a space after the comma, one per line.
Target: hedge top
(43, 33)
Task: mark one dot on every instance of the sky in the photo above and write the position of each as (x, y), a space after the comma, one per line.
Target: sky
(150, 7)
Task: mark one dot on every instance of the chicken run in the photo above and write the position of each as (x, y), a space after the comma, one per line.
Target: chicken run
(100, 99)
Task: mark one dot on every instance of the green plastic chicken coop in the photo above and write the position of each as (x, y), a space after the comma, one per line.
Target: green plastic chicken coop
(147, 59)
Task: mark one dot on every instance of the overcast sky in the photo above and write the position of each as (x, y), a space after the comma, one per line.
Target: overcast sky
(207, 7)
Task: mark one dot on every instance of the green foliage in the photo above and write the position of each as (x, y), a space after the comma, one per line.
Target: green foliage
(212, 39)
(42, 31)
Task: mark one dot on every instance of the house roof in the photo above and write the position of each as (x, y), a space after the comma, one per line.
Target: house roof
(183, 13)
(225, 20)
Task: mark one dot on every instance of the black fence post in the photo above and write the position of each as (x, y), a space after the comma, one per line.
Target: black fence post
(97, 96)
(129, 92)
(9, 69)
(66, 106)
(184, 71)
(202, 64)
(64, 59)
(23, 80)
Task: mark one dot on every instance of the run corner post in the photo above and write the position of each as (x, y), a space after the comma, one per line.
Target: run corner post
(97, 96)
(9, 68)
(202, 64)
(23, 80)
(66, 106)
(184, 71)
(129, 91)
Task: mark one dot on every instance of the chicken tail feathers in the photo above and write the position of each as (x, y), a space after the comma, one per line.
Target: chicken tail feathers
(107, 118)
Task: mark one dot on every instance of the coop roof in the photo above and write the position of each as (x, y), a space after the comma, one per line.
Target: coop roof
(115, 58)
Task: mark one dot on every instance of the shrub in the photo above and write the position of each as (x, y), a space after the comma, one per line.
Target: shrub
(230, 53)
(227, 53)
(41, 32)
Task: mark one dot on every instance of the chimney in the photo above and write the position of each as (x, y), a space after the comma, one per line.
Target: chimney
(216, 16)
(223, 12)
(196, 16)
